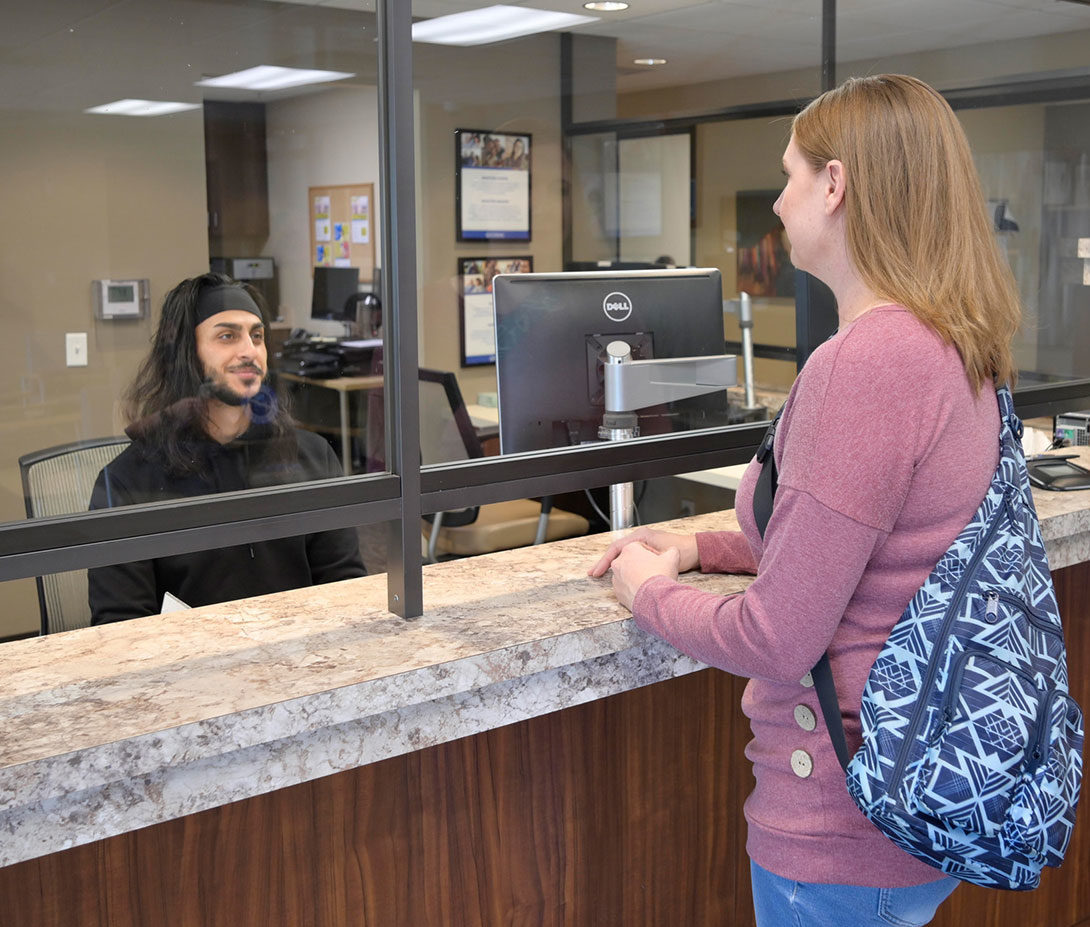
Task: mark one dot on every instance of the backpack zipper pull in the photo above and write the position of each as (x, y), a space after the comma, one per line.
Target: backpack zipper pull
(991, 610)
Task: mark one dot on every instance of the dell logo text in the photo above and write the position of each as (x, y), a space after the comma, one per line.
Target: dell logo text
(617, 306)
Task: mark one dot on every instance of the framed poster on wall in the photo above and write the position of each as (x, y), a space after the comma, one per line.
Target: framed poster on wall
(478, 327)
(492, 185)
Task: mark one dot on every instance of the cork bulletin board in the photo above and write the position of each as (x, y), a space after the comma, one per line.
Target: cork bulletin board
(342, 227)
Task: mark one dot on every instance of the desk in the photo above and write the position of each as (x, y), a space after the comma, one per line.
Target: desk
(343, 386)
(486, 422)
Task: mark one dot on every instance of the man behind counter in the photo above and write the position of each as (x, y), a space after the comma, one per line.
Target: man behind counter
(204, 421)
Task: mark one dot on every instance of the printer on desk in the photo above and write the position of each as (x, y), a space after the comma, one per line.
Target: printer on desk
(320, 358)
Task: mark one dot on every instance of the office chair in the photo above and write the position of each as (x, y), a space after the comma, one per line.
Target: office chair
(447, 434)
(58, 481)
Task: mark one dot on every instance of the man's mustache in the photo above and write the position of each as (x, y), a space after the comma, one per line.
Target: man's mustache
(211, 388)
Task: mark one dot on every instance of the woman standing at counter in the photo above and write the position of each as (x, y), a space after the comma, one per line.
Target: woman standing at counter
(886, 446)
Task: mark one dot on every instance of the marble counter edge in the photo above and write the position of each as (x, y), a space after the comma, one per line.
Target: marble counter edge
(51, 823)
(92, 766)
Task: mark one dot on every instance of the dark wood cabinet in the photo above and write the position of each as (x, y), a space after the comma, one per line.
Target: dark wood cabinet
(236, 174)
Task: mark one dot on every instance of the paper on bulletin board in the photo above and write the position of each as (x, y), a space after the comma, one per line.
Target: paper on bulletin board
(322, 255)
(323, 230)
(361, 207)
(361, 231)
(321, 207)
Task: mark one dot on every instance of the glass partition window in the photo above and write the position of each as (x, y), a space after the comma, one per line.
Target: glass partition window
(1034, 164)
(148, 143)
(738, 178)
(953, 45)
(136, 159)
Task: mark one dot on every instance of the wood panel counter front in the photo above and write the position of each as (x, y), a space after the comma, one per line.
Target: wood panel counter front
(309, 758)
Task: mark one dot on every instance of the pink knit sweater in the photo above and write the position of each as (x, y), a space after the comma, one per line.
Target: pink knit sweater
(884, 452)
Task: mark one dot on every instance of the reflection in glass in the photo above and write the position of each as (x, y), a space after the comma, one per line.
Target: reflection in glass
(162, 194)
(1034, 165)
(103, 202)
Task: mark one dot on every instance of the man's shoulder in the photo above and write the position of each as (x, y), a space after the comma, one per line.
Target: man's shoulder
(309, 441)
(126, 478)
(315, 454)
(133, 458)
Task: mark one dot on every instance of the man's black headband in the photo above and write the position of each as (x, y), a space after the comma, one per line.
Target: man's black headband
(223, 299)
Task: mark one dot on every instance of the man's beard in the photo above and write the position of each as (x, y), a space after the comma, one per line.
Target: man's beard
(213, 388)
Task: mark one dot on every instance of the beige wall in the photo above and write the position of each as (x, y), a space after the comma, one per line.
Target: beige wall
(332, 138)
(83, 198)
(946, 69)
(536, 109)
(733, 156)
(654, 198)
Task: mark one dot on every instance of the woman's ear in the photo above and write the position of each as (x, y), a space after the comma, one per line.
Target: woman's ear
(834, 186)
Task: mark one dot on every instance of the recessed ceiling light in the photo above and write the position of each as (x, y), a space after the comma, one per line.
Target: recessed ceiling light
(141, 108)
(269, 77)
(605, 6)
(493, 24)
(650, 62)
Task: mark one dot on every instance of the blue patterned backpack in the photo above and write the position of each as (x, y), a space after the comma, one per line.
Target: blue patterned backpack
(972, 745)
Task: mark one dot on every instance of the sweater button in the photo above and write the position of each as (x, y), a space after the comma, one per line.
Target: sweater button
(804, 717)
(801, 764)
(807, 681)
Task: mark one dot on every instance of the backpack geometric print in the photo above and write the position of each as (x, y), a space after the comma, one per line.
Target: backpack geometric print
(972, 746)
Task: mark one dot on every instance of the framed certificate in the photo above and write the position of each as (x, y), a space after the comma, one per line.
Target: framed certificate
(478, 327)
(492, 185)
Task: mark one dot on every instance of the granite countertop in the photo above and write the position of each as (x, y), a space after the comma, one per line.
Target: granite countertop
(114, 728)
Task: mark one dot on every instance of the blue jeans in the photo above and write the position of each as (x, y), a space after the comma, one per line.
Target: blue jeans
(780, 902)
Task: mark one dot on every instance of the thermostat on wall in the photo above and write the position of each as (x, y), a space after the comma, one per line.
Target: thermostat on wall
(120, 299)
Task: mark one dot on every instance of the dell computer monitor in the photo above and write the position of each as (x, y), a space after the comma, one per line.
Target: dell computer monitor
(335, 292)
(551, 335)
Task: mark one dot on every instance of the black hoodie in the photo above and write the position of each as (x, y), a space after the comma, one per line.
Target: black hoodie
(140, 474)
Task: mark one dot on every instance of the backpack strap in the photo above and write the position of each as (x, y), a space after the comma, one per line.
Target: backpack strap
(1007, 414)
(764, 493)
(822, 674)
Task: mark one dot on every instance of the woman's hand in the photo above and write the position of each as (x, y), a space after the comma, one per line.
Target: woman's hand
(656, 541)
(636, 564)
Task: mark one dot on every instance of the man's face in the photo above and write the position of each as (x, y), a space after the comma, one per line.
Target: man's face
(231, 350)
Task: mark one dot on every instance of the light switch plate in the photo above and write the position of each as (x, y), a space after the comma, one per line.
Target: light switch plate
(75, 349)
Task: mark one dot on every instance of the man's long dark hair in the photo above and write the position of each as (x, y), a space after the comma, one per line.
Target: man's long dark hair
(167, 401)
